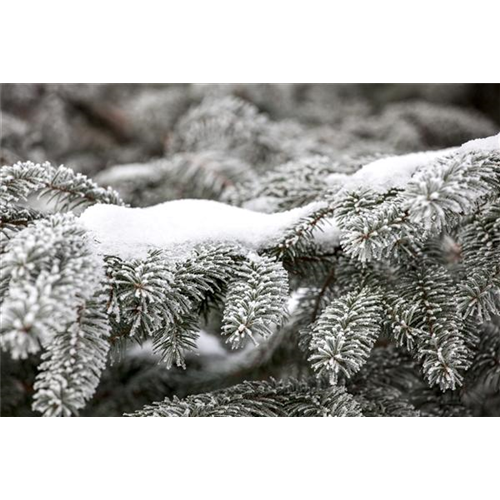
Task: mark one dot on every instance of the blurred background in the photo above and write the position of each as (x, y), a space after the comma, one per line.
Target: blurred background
(90, 127)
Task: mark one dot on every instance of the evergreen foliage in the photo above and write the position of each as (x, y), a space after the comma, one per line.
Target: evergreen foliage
(261, 399)
(381, 299)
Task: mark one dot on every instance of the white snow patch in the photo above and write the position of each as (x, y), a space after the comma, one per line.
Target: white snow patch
(486, 144)
(387, 173)
(396, 171)
(177, 226)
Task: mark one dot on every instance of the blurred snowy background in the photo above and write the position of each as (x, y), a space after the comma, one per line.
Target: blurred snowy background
(90, 127)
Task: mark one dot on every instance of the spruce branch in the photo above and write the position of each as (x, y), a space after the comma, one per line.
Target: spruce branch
(478, 294)
(232, 126)
(72, 365)
(51, 270)
(255, 301)
(70, 190)
(20, 180)
(137, 289)
(399, 318)
(290, 185)
(60, 185)
(479, 240)
(344, 334)
(370, 281)
(260, 399)
(479, 237)
(425, 291)
(207, 270)
(204, 174)
(174, 340)
(385, 402)
(297, 241)
(14, 219)
(484, 373)
(376, 226)
(440, 195)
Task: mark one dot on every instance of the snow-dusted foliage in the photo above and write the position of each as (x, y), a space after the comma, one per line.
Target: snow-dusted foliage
(256, 301)
(314, 260)
(261, 399)
(73, 364)
(49, 271)
(343, 336)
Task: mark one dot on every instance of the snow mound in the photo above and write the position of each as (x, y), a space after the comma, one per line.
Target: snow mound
(396, 171)
(487, 144)
(392, 172)
(386, 173)
(177, 226)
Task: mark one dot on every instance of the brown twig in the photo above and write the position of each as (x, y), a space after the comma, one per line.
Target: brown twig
(326, 284)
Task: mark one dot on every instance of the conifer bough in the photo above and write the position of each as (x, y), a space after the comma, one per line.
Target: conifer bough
(351, 286)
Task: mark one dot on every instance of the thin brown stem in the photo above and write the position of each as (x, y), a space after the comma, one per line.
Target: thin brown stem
(326, 284)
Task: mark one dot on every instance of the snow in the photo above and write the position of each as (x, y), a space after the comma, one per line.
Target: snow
(396, 171)
(387, 173)
(486, 144)
(177, 226)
